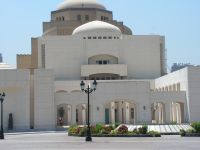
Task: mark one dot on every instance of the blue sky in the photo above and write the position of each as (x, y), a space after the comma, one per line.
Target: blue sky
(177, 20)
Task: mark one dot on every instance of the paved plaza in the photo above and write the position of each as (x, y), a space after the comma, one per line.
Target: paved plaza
(60, 141)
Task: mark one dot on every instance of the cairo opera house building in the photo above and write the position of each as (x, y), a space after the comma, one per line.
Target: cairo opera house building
(82, 41)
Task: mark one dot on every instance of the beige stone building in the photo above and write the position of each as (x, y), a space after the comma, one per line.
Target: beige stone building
(82, 41)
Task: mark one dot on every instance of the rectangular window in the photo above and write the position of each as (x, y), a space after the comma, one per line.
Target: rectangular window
(104, 37)
(132, 113)
(76, 115)
(86, 17)
(100, 62)
(43, 55)
(105, 62)
(79, 17)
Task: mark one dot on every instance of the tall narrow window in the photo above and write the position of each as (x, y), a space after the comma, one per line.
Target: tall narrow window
(79, 17)
(43, 55)
(87, 18)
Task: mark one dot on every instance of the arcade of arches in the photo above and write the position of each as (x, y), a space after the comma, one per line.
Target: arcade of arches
(121, 112)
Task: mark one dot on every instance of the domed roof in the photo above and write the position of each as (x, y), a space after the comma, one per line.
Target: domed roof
(80, 4)
(97, 26)
(5, 66)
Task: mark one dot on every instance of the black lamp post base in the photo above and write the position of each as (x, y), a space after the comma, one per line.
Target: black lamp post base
(88, 139)
(1, 136)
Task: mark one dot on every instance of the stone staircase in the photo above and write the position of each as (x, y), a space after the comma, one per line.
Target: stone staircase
(163, 129)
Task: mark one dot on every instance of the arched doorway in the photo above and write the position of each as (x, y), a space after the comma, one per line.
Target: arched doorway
(157, 110)
(177, 112)
(81, 114)
(64, 114)
(120, 112)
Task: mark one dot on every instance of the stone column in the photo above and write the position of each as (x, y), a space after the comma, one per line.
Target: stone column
(73, 116)
(112, 111)
(168, 112)
(69, 113)
(83, 114)
(127, 113)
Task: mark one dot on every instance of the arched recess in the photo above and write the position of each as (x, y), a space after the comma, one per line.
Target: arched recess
(81, 114)
(76, 91)
(120, 111)
(158, 113)
(177, 112)
(64, 115)
(103, 59)
(61, 91)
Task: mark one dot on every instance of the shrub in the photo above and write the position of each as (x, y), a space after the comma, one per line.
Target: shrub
(143, 129)
(82, 131)
(116, 125)
(98, 128)
(196, 126)
(154, 133)
(113, 132)
(136, 131)
(191, 131)
(74, 130)
(106, 130)
(122, 129)
(182, 132)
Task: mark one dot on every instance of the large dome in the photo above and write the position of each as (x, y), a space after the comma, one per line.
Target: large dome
(97, 27)
(80, 4)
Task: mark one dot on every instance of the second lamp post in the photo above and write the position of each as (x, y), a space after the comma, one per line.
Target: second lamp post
(88, 90)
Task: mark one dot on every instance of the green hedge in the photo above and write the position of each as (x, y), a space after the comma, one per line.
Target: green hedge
(103, 130)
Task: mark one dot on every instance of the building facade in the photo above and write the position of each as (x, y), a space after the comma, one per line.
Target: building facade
(83, 42)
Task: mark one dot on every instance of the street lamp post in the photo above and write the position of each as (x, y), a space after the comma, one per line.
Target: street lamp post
(2, 96)
(88, 90)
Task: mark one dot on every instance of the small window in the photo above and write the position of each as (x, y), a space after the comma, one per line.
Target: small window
(107, 78)
(86, 17)
(79, 17)
(132, 113)
(104, 37)
(100, 62)
(97, 78)
(99, 37)
(114, 37)
(84, 37)
(103, 78)
(110, 37)
(105, 62)
(113, 78)
(63, 18)
(117, 37)
(89, 37)
(94, 37)
(102, 17)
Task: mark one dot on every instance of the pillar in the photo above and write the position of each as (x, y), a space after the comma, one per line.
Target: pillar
(112, 108)
(83, 114)
(73, 116)
(168, 110)
(127, 113)
(69, 115)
